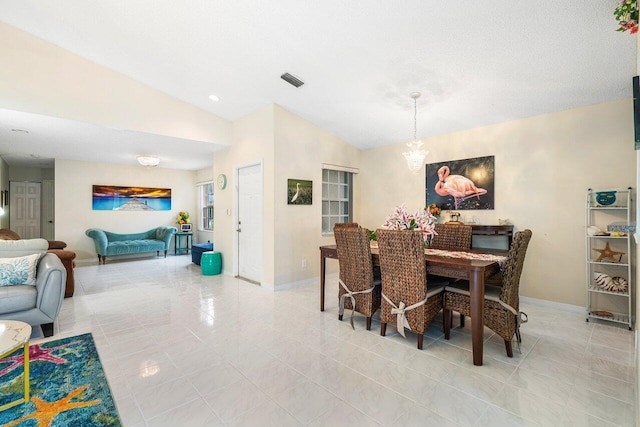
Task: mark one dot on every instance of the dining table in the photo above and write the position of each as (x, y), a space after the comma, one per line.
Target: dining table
(453, 265)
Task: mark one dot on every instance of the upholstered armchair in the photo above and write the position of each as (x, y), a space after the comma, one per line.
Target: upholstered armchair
(57, 248)
(35, 300)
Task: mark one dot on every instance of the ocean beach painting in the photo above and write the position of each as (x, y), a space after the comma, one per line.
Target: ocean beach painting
(113, 198)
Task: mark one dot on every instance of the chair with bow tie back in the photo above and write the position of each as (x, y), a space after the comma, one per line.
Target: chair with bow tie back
(407, 300)
(450, 237)
(501, 304)
(359, 289)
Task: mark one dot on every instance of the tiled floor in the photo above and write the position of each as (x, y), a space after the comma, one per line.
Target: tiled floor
(182, 349)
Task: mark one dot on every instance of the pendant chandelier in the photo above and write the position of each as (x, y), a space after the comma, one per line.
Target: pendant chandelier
(415, 157)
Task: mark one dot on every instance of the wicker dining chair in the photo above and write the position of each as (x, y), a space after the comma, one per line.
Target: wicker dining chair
(344, 225)
(359, 290)
(501, 304)
(452, 237)
(407, 300)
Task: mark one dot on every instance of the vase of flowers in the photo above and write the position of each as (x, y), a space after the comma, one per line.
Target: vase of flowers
(627, 16)
(183, 218)
(422, 220)
(435, 211)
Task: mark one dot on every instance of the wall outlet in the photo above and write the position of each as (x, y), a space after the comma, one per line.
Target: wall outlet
(304, 263)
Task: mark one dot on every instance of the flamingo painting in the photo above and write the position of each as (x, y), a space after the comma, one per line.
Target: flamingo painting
(459, 187)
(461, 184)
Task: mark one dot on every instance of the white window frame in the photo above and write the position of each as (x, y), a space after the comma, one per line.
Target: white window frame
(333, 195)
(202, 205)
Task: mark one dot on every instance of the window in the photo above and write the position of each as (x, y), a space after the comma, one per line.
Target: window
(206, 206)
(337, 196)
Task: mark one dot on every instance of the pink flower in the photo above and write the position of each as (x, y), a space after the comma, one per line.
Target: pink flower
(422, 220)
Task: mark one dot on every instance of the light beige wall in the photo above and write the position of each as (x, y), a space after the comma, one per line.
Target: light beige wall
(252, 142)
(30, 174)
(39, 77)
(289, 147)
(74, 214)
(300, 150)
(543, 168)
(205, 174)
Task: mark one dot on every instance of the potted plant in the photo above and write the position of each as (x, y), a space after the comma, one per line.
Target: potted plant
(627, 16)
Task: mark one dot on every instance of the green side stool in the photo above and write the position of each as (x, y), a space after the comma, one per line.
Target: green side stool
(211, 263)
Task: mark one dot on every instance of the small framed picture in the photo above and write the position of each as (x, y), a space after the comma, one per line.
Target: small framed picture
(185, 227)
(299, 192)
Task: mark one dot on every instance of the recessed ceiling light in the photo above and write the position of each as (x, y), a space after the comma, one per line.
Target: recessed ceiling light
(214, 98)
(148, 160)
(19, 130)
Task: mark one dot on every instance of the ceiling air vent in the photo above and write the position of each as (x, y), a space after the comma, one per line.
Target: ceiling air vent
(292, 80)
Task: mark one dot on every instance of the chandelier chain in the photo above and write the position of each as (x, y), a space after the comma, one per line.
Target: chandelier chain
(415, 119)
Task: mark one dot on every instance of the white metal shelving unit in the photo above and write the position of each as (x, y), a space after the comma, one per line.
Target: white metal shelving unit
(611, 211)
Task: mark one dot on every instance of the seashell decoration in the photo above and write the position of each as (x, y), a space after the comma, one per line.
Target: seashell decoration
(610, 284)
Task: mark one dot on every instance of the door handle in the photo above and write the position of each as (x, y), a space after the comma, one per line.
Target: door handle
(50, 222)
(238, 230)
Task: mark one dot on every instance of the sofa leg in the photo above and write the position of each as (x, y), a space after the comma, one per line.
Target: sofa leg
(104, 259)
(47, 329)
(99, 259)
(165, 253)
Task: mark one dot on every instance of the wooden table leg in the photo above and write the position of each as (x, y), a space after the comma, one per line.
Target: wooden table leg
(476, 289)
(323, 260)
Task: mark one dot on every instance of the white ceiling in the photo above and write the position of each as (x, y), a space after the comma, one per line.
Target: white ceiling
(476, 63)
(49, 138)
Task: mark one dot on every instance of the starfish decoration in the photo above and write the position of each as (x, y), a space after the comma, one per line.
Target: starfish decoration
(35, 353)
(46, 411)
(608, 253)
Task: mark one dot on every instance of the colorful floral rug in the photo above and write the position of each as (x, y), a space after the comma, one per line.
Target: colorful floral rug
(68, 386)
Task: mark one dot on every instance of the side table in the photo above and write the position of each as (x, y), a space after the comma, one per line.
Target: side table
(178, 248)
(13, 335)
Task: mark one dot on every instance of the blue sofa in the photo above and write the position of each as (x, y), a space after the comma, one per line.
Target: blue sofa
(108, 244)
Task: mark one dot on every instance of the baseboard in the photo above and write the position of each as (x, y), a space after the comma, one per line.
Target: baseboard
(120, 257)
(547, 303)
(528, 300)
(289, 285)
(267, 286)
(86, 262)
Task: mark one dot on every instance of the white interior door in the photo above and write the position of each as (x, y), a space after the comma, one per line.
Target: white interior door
(24, 209)
(249, 226)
